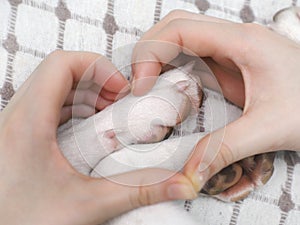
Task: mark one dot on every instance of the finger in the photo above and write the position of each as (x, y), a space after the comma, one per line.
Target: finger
(84, 85)
(103, 74)
(176, 14)
(83, 110)
(112, 196)
(90, 98)
(109, 95)
(81, 96)
(206, 39)
(112, 96)
(102, 103)
(229, 81)
(53, 79)
(230, 144)
(66, 114)
(180, 14)
(79, 111)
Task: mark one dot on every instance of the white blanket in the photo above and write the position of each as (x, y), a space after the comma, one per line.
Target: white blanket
(30, 29)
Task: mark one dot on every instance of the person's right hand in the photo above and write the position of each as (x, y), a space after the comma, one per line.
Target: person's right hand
(257, 69)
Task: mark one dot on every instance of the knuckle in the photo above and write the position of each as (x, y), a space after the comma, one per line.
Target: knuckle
(144, 196)
(226, 155)
(86, 96)
(251, 30)
(141, 198)
(247, 40)
(175, 22)
(179, 14)
(57, 53)
(174, 14)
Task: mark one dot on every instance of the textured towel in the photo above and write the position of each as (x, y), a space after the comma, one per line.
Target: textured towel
(30, 29)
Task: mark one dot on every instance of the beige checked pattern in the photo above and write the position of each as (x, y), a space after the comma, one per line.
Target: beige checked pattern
(30, 29)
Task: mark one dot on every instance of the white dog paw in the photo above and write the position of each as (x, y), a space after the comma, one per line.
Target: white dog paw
(135, 120)
(149, 118)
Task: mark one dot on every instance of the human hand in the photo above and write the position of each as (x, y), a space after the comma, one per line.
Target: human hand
(38, 185)
(256, 68)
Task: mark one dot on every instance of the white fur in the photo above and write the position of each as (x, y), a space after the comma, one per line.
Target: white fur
(164, 213)
(172, 154)
(287, 23)
(132, 120)
(169, 154)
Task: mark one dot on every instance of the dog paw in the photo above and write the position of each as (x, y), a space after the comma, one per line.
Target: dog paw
(150, 118)
(134, 120)
(238, 180)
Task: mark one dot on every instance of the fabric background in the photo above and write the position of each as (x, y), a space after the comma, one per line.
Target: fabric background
(30, 29)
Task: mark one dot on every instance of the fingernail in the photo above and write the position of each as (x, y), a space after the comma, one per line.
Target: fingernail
(125, 89)
(136, 89)
(143, 85)
(202, 167)
(199, 177)
(181, 191)
(197, 181)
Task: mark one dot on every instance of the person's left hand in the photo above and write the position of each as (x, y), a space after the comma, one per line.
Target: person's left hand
(38, 185)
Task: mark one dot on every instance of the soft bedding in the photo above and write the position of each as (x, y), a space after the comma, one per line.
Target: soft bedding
(30, 29)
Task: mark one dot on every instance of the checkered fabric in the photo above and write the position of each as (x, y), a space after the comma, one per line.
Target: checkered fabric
(30, 29)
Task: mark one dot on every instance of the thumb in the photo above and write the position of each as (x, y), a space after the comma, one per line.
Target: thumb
(118, 194)
(251, 134)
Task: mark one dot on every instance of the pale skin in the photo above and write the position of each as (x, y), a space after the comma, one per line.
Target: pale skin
(38, 185)
(257, 69)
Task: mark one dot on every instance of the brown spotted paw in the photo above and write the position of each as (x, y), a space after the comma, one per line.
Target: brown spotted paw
(238, 180)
